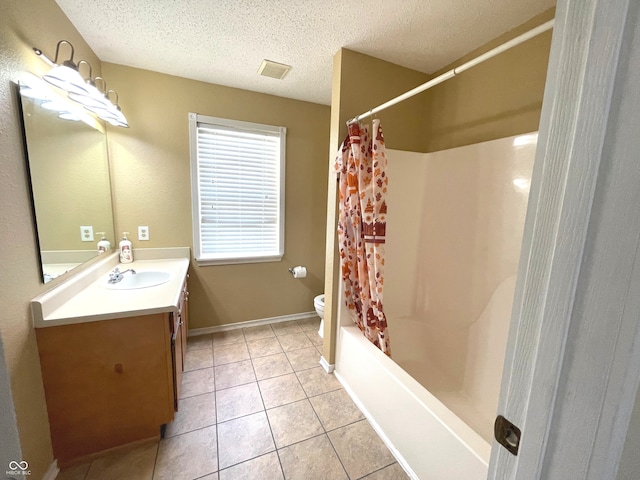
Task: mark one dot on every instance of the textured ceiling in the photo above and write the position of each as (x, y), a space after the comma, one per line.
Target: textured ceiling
(224, 42)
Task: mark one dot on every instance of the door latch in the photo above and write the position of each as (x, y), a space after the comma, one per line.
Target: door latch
(507, 434)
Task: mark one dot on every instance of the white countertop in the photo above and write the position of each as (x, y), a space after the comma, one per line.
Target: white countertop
(86, 298)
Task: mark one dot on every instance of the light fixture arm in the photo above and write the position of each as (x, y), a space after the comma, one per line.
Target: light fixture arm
(104, 85)
(66, 63)
(89, 78)
(117, 98)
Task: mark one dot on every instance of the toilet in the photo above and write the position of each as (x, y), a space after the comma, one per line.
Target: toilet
(318, 303)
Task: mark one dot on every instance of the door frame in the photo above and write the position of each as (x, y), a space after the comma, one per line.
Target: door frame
(572, 365)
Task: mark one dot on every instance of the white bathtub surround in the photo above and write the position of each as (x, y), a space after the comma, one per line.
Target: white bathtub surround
(451, 275)
(84, 298)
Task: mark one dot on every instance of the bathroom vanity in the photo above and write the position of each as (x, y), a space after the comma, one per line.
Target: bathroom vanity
(111, 359)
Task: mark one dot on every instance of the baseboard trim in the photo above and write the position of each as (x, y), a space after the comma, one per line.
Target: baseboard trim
(52, 472)
(251, 323)
(328, 367)
(394, 451)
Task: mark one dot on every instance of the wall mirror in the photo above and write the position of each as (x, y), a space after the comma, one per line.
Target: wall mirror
(70, 183)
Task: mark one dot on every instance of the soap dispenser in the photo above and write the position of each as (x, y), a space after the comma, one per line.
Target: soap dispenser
(104, 245)
(126, 253)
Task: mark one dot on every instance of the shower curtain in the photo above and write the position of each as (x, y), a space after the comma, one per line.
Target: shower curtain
(362, 165)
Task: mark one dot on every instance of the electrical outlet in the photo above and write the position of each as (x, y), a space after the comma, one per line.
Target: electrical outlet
(86, 233)
(143, 233)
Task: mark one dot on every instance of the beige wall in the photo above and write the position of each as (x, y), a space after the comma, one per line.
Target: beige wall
(496, 99)
(151, 182)
(366, 82)
(22, 26)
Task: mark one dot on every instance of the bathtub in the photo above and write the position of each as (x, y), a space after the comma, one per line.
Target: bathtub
(427, 439)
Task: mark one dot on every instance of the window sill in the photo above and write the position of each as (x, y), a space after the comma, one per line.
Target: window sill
(205, 262)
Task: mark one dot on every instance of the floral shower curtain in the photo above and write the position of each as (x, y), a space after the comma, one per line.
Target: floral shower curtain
(362, 165)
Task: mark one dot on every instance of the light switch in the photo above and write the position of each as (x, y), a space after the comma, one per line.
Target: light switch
(86, 233)
(143, 233)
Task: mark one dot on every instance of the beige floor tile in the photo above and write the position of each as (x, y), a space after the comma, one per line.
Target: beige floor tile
(293, 423)
(228, 338)
(392, 472)
(313, 459)
(271, 366)
(188, 456)
(336, 409)
(316, 381)
(266, 467)
(234, 374)
(281, 390)
(213, 476)
(319, 348)
(237, 402)
(309, 324)
(235, 352)
(198, 342)
(314, 338)
(360, 449)
(195, 412)
(135, 464)
(259, 332)
(304, 358)
(197, 359)
(243, 439)
(286, 328)
(197, 382)
(77, 472)
(294, 341)
(264, 347)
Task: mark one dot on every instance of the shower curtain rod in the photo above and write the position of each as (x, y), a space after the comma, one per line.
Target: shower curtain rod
(455, 71)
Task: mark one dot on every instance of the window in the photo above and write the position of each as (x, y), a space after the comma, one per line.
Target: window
(237, 183)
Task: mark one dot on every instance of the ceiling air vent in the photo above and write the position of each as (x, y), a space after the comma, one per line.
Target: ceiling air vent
(274, 69)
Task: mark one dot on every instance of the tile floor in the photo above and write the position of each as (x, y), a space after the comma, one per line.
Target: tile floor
(255, 404)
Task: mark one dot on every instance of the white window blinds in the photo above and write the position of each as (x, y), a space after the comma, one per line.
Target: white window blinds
(238, 189)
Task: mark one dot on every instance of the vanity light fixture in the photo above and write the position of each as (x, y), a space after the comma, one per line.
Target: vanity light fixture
(67, 77)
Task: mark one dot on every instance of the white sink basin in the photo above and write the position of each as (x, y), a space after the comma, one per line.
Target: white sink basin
(142, 279)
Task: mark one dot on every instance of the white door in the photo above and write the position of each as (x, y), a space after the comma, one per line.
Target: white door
(572, 366)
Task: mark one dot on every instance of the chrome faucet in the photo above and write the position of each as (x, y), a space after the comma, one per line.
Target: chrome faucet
(116, 275)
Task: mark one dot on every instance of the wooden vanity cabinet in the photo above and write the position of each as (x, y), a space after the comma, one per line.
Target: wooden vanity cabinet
(111, 382)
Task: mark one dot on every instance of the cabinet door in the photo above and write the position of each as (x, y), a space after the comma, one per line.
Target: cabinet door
(184, 313)
(179, 341)
(178, 357)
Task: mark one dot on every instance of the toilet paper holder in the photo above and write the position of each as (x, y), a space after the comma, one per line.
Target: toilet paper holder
(298, 272)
